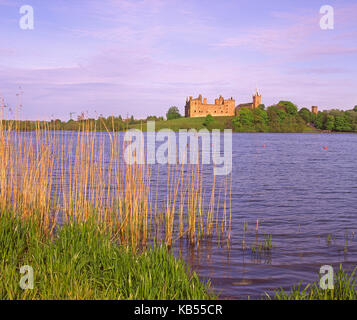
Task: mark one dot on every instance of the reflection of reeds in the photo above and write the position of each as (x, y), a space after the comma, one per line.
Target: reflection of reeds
(93, 182)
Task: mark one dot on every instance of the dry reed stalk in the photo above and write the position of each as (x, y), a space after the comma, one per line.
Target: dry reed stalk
(76, 177)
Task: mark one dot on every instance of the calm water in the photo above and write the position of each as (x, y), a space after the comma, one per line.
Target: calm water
(303, 195)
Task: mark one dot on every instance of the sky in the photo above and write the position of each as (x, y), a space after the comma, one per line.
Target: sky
(140, 57)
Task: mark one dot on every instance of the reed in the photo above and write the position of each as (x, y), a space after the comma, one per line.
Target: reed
(264, 246)
(57, 179)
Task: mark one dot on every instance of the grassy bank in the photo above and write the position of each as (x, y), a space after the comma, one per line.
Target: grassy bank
(345, 288)
(86, 221)
(82, 262)
(219, 123)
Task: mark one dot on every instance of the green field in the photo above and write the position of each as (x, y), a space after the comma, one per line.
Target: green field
(220, 123)
(188, 123)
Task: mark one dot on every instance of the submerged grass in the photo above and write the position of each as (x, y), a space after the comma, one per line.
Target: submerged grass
(260, 247)
(345, 288)
(83, 262)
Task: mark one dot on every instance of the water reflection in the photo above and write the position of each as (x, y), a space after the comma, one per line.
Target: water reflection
(304, 198)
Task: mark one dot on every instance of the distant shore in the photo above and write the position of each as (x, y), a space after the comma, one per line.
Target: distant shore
(219, 123)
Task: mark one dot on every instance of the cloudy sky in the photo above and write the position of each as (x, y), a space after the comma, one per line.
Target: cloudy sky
(142, 56)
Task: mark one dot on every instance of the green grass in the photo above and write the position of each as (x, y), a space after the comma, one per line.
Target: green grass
(311, 130)
(345, 288)
(189, 123)
(83, 263)
(262, 246)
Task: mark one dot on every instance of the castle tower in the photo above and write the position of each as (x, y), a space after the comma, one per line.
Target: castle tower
(314, 110)
(257, 99)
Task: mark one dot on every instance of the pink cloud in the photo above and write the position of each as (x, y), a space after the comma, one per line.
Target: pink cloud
(301, 37)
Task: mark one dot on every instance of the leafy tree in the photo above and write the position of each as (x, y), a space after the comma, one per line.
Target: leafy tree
(290, 108)
(355, 109)
(244, 121)
(152, 118)
(246, 117)
(330, 122)
(261, 106)
(281, 114)
(313, 117)
(292, 124)
(260, 119)
(274, 119)
(173, 113)
(208, 120)
(336, 113)
(280, 121)
(235, 122)
(319, 121)
(341, 124)
(352, 118)
(300, 124)
(305, 114)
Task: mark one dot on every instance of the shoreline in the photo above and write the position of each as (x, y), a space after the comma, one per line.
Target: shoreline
(176, 131)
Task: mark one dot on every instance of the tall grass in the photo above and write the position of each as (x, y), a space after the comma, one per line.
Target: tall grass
(84, 263)
(58, 179)
(345, 288)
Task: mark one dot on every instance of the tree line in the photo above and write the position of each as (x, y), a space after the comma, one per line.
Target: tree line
(285, 117)
(111, 123)
(282, 117)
